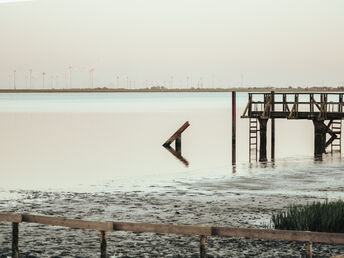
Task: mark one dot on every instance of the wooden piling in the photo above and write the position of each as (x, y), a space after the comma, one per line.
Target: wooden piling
(262, 139)
(179, 144)
(202, 247)
(103, 246)
(309, 250)
(319, 138)
(233, 127)
(15, 237)
(272, 127)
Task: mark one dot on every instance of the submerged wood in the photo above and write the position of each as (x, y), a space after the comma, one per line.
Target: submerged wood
(177, 137)
(176, 134)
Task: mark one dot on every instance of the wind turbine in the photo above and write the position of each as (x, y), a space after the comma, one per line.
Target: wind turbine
(30, 79)
(91, 77)
(70, 76)
(43, 74)
(14, 79)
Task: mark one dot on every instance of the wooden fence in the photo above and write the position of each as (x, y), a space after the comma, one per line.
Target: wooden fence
(202, 231)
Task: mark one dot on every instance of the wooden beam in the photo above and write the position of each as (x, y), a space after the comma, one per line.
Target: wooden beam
(71, 223)
(273, 234)
(11, 217)
(176, 134)
(162, 228)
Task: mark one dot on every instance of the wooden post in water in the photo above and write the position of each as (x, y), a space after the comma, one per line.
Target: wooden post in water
(202, 247)
(103, 251)
(233, 127)
(309, 250)
(262, 139)
(15, 236)
(272, 127)
(319, 138)
(179, 144)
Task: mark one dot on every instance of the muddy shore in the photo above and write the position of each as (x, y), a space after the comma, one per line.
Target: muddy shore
(243, 202)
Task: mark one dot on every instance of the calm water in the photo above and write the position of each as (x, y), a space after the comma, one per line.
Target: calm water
(98, 140)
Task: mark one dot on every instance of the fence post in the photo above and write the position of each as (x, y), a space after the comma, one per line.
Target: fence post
(15, 236)
(309, 250)
(202, 247)
(103, 252)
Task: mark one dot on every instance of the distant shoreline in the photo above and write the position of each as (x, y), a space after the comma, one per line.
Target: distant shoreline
(104, 90)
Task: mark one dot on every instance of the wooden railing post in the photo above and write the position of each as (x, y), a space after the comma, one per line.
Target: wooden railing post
(202, 247)
(250, 104)
(15, 236)
(309, 250)
(103, 251)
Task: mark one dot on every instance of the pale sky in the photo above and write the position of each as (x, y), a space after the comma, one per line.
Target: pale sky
(226, 43)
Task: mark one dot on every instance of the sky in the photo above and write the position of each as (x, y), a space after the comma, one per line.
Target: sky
(179, 43)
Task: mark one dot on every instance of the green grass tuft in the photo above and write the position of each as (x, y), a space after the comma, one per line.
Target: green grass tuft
(318, 216)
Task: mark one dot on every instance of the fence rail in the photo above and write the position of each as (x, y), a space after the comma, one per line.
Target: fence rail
(202, 231)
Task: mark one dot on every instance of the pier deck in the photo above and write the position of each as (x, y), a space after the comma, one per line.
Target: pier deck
(317, 107)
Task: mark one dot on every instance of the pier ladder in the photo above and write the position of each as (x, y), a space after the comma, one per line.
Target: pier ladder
(336, 127)
(253, 139)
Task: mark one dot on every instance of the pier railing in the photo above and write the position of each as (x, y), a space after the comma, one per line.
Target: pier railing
(294, 105)
(202, 231)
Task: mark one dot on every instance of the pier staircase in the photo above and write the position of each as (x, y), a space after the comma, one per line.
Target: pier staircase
(253, 139)
(336, 144)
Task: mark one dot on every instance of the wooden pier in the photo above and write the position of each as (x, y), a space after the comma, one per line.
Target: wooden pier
(325, 110)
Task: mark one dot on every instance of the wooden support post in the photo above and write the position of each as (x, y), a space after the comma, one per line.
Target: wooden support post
(179, 144)
(15, 236)
(202, 247)
(272, 127)
(103, 251)
(250, 104)
(262, 139)
(233, 127)
(319, 138)
(309, 250)
(340, 105)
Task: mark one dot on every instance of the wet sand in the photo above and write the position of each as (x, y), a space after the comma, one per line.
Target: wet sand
(243, 201)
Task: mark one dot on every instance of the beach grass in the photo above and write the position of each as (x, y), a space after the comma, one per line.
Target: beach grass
(317, 216)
